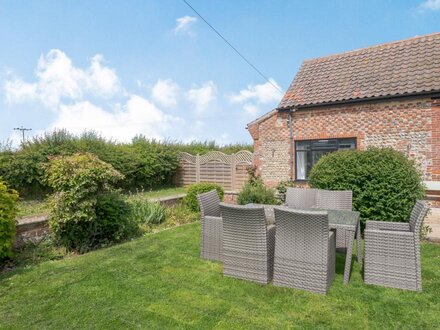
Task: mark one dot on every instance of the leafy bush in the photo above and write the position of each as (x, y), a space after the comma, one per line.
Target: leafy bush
(199, 188)
(385, 183)
(113, 222)
(85, 212)
(281, 190)
(8, 210)
(144, 212)
(254, 191)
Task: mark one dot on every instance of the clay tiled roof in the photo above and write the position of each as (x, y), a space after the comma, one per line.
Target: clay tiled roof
(406, 67)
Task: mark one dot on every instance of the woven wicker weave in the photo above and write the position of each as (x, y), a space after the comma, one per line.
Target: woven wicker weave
(248, 244)
(304, 250)
(211, 246)
(392, 251)
(300, 198)
(334, 200)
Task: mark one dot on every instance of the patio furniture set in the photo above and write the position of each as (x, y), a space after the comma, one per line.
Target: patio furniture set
(294, 244)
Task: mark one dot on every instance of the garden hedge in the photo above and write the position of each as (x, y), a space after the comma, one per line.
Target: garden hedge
(385, 183)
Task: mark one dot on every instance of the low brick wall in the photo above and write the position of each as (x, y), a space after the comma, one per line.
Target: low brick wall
(34, 229)
(31, 229)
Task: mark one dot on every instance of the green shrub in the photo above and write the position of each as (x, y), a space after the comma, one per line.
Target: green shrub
(254, 191)
(81, 202)
(199, 188)
(144, 212)
(8, 210)
(385, 183)
(281, 190)
(113, 220)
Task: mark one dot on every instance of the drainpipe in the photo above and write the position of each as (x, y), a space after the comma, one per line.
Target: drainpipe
(291, 143)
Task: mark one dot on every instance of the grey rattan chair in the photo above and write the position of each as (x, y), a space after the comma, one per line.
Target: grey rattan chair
(392, 251)
(304, 250)
(212, 226)
(300, 198)
(248, 243)
(336, 200)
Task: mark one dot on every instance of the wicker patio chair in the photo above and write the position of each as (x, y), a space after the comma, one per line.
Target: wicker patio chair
(300, 198)
(212, 226)
(304, 250)
(392, 251)
(248, 243)
(336, 200)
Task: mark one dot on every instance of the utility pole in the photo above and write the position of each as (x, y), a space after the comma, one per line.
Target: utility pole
(22, 129)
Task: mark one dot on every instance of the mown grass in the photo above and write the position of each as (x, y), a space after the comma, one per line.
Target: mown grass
(28, 208)
(160, 282)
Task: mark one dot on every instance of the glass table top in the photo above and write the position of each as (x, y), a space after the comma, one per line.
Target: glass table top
(335, 217)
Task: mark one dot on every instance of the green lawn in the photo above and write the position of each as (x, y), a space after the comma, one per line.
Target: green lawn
(27, 208)
(160, 282)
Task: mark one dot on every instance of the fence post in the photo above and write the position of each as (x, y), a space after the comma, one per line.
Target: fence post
(233, 171)
(197, 168)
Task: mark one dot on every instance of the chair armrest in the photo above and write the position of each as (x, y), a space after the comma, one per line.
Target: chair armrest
(391, 226)
(387, 234)
(209, 220)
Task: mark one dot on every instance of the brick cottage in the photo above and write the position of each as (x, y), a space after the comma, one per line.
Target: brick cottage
(381, 96)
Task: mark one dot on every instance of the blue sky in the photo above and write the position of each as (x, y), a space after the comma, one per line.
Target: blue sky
(152, 67)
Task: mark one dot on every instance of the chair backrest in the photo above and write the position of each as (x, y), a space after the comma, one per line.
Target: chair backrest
(301, 235)
(209, 204)
(418, 214)
(244, 228)
(334, 199)
(300, 198)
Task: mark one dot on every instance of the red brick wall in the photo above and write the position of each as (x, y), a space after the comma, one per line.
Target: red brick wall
(411, 126)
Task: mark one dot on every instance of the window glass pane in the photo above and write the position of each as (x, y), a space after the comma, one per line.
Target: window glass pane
(301, 164)
(303, 145)
(316, 155)
(324, 144)
(347, 144)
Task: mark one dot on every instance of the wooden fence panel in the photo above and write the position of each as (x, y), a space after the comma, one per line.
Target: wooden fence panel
(229, 171)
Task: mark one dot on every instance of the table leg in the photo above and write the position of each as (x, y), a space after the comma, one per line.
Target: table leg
(359, 255)
(348, 256)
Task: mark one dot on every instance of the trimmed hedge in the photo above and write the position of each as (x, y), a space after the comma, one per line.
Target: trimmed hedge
(200, 188)
(385, 183)
(8, 210)
(145, 163)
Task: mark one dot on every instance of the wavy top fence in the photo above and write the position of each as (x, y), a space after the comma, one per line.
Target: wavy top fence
(229, 171)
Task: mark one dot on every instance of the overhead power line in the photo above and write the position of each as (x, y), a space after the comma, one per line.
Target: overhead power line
(235, 49)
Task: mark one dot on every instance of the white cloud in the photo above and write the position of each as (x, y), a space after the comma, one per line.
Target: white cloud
(184, 25)
(165, 92)
(201, 97)
(57, 78)
(255, 96)
(433, 5)
(136, 116)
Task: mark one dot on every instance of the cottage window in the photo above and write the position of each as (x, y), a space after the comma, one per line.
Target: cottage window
(307, 153)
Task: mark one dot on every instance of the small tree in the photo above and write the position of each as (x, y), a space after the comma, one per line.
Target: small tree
(81, 206)
(8, 210)
(385, 183)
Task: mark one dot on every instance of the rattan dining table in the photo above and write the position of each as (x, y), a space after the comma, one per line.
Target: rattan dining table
(343, 220)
